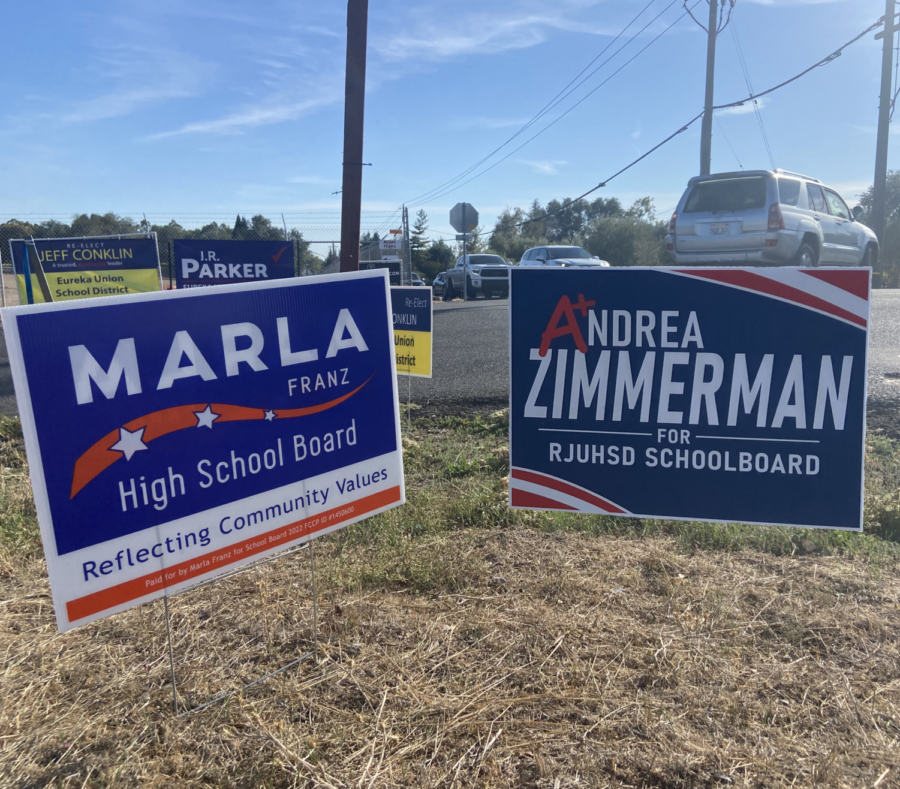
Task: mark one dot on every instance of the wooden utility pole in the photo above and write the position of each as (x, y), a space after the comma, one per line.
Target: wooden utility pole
(354, 113)
(706, 130)
(879, 187)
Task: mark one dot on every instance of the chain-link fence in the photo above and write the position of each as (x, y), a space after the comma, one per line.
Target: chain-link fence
(316, 237)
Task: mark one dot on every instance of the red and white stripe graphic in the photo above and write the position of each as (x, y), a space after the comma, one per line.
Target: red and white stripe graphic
(535, 491)
(839, 293)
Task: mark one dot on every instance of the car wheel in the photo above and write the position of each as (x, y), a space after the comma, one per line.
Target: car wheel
(448, 291)
(470, 291)
(870, 258)
(806, 256)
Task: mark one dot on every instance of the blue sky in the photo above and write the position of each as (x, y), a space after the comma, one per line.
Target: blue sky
(200, 107)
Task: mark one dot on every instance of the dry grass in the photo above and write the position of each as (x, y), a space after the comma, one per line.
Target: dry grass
(462, 647)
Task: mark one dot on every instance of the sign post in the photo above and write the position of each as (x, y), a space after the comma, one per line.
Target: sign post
(724, 395)
(464, 218)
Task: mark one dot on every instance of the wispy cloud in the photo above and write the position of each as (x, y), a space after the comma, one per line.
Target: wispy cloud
(282, 104)
(742, 109)
(449, 33)
(637, 132)
(141, 75)
(322, 31)
(315, 180)
(544, 167)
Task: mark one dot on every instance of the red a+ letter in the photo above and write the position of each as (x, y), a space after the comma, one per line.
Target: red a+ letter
(564, 307)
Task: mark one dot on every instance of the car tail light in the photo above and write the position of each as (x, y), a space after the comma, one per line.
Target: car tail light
(776, 220)
(672, 223)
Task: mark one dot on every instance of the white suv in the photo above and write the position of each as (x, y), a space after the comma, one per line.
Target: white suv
(769, 217)
(564, 257)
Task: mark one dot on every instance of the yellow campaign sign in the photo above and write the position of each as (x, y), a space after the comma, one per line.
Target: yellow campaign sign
(411, 308)
(89, 285)
(63, 269)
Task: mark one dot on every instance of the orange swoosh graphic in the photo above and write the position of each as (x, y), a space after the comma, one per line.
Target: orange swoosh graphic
(101, 456)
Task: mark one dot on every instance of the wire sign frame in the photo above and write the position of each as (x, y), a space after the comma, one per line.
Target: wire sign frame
(180, 708)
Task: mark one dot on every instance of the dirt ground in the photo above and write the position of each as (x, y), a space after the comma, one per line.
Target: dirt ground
(528, 660)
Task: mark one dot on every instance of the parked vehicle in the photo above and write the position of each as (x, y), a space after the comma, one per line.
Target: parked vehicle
(439, 284)
(560, 256)
(487, 275)
(769, 217)
(417, 281)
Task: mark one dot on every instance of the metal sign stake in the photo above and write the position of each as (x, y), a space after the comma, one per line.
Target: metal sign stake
(313, 653)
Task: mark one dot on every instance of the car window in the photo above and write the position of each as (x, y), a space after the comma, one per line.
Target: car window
(837, 206)
(567, 253)
(788, 191)
(486, 260)
(541, 254)
(727, 194)
(816, 198)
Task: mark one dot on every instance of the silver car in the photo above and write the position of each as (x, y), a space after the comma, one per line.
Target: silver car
(564, 257)
(767, 217)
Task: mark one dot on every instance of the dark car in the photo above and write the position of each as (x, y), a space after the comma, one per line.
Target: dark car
(439, 284)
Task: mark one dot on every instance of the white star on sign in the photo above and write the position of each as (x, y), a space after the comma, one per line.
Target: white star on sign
(270, 415)
(206, 417)
(129, 443)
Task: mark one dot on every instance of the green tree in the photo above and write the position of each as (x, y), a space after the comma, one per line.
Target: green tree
(438, 258)
(369, 248)
(331, 259)
(418, 241)
(536, 227)
(643, 210)
(604, 206)
(262, 229)
(108, 224)
(625, 241)
(241, 229)
(477, 242)
(507, 239)
(889, 246)
(565, 220)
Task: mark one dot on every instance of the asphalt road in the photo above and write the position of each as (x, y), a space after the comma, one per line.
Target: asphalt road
(471, 360)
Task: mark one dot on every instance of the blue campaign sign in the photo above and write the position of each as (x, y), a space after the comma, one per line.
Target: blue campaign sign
(175, 436)
(199, 263)
(695, 394)
(63, 269)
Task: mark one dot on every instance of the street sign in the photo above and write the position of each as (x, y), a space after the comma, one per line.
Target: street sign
(390, 243)
(463, 217)
(713, 394)
(397, 232)
(462, 236)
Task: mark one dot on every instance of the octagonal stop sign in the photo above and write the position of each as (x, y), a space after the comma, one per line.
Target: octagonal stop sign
(463, 217)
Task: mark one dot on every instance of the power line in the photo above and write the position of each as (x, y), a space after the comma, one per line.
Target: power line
(563, 115)
(823, 62)
(896, 68)
(553, 102)
(743, 62)
(721, 129)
